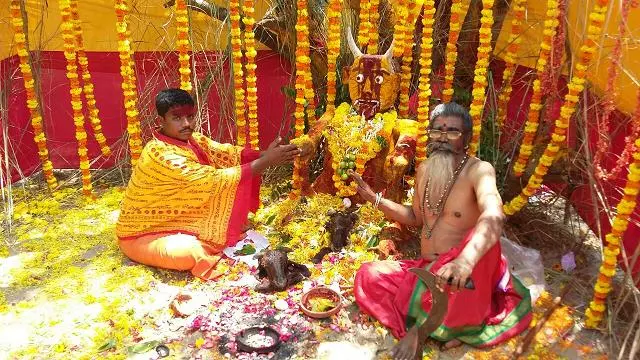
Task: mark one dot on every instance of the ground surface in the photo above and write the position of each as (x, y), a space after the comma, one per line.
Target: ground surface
(67, 292)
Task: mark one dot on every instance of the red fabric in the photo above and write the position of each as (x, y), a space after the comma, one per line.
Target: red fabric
(384, 289)
(247, 197)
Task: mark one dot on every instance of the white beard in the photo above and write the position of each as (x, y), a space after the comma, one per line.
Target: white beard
(439, 170)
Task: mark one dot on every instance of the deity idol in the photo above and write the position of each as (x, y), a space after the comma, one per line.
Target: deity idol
(366, 136)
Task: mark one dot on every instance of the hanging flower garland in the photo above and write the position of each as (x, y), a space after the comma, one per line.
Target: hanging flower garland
(87, 88)
(182, 28)
(238, 73)
(248, 7)
(20, 39)
(400, 28)
(625, 208)
(374, 18)
(76, 91)
(407, 59)
(365, 28)
(596, 20)
(127, 71)
(353, 141)
(531, 126)
(333, 50)
(424, 93)
(480, 79)
(608, 102)
(455, 25)
(302, 68)
(518, 8)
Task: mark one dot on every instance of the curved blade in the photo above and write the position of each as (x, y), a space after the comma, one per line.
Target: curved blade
(439, 307)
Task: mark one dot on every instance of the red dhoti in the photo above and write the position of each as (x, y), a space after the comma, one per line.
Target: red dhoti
(497, 309)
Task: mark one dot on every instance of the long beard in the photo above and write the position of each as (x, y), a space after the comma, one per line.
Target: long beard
(439, 171)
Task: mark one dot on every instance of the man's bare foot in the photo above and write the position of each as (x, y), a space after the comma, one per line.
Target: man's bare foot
(407, 347)
(450, 344)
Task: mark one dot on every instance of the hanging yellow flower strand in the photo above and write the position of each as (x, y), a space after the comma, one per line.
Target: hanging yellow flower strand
(480, 78)
(424, 94)
(576, 85)
(87, 88)
(333, 50)
(625, 208)
(20, 39)
(455, 25)
(365, 28)
(518, 8)
(182, 42)
(76, 91)
(129, 88)
(302, 68)
(238, 74)
(252, 88)
(531, 125)
(374, 18)
(399, 29)
(407, 57)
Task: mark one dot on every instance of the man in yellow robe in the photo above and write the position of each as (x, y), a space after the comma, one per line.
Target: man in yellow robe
(188, 197)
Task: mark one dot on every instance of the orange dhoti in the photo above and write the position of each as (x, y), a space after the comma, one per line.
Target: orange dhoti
(186, 202)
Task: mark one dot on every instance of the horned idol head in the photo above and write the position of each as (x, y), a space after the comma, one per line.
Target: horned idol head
(373, 82)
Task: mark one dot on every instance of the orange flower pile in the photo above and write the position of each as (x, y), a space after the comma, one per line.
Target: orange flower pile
(531, 126)
(128, 79)
(20, 39)
(594, 29)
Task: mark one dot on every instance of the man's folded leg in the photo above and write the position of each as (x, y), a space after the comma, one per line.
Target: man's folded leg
(174, 251)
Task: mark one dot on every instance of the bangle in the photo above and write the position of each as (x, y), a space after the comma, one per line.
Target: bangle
(378, 200)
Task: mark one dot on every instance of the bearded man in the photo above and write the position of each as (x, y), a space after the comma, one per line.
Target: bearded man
(457, 205)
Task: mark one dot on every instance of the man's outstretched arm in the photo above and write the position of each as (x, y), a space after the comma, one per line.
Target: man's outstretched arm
(403, 214)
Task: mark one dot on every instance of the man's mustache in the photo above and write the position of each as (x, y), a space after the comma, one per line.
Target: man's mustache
(439, 146)
(187, 130)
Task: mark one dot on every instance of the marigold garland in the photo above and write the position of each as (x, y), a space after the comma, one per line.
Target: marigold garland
(127, 71)
(374, 19)
(303, 76)
(625, 208)
(400, 28)
(365, 28)
(182, 43)
(407, 59)
(20, 39)
(480, 79)
(87, 88)
(576, 85)
(455, 25)
(352, 141)
(608, 102)
(518, 8)
(424, 93)
(531, 126)
(238, 73)
(333, 50)
(248, 7)
(70, 53)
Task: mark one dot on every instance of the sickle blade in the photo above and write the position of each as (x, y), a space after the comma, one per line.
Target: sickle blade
(439, 307)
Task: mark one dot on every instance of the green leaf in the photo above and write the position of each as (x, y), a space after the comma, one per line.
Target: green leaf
(373, 241)
(143, 347)
(110, 344)
(288, 91)
(247, 249)
(270, 219)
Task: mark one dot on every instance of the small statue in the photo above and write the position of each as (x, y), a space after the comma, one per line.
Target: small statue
(367, 136)
(277, 272)
(339, 227)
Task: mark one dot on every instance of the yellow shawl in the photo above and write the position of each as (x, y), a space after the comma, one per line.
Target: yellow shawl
(182, 187)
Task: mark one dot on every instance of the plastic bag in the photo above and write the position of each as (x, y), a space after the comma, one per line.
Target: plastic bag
(526, 265)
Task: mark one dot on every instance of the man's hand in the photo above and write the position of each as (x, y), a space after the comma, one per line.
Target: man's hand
(275, 154)
(363, 188)
(458, 271)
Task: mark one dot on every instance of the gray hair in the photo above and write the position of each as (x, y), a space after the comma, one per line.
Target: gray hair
(453, 109)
